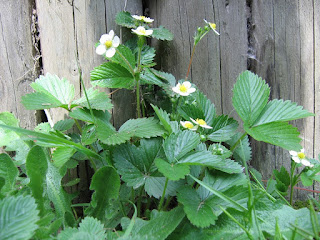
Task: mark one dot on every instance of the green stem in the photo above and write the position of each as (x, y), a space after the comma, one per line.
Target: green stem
(167, 203)
(293, 167)
(126, 61)
(237, 142)
(138, 98)
(163, 194)
(193, 50)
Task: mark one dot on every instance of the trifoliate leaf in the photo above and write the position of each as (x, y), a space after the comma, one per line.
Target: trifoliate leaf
(9, 172)
(125, 19)
(98, 100)
(84, 114)
(18, 217)
(125, 58)
(64, 125)
(154, 186)
(172, 171)
(280, 134)
(113, 75)
(281, 111)
(51, 91)
(250, 96)
(197, 210)
(134, 163)
(178, 145)
(162, 33)
(223, 128)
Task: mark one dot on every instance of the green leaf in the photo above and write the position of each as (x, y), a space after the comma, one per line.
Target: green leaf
(207, 107)
(223, 128)
(280, 134)
(282, 176)
(51, 91)
(63, 125)
(173, 172)
(106, 184)
(250, 96)
(89, 229)
(164, 118)
(51, 140)
(197, 210)
(58, 196)
(147, 55)
(154, 186)
(18, 217)
(113, 75)
(9, 172)
(142, 127)
(147, 77)
(61, 155)
(168, 221)
(206, 158)
(84, 114)
(178, 145)
(98, 100)
(162, 33)
(243, 151)
(220, 150)
(167, 77)
(281, 111)
(124, 19)
(125, 58)
(134, 163)
(37, 165)
(89, 134)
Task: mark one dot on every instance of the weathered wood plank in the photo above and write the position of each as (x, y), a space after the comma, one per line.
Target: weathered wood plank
(282, 40)
(123, 100)
(218, 60)
(18, 64)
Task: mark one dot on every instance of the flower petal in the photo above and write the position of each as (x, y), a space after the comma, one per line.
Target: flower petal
(296, 159)
(293, 153)
(111, 34)
(101, 49)
(110, 52)
(104, 38)
(206, 126)
(191, 90)
(305, 162)
(149, 32)
(115, 41)
(187, 84)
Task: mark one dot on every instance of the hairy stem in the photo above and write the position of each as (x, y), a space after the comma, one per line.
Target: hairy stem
(193, 50)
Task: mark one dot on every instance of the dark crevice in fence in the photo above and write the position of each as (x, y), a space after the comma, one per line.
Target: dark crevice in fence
(37, 57)
(250, 27)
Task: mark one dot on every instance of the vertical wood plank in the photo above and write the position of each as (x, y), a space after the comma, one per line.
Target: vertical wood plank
(282, 40)
(123, 100)
(18, 67)
(217, 60)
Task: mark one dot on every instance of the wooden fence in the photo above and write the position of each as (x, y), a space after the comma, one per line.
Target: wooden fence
(277, 39)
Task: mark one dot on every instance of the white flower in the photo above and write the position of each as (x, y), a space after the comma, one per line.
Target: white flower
(200, 122)
(213, 26)
(184, 89)
(143, 18)
(108, 44)
(142, 31)
(300, 157)
(189, 125)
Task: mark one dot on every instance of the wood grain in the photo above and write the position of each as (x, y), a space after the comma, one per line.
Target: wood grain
(18, 64)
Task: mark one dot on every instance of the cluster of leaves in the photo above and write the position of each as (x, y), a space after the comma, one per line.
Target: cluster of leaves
(153, 179)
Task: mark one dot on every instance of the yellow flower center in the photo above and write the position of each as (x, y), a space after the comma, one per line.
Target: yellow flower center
(301, 155)
(183, 88)
(143, 31)
(108, 44)
(188, 125)
(213, 25)
(142, 17)
(201, 121)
